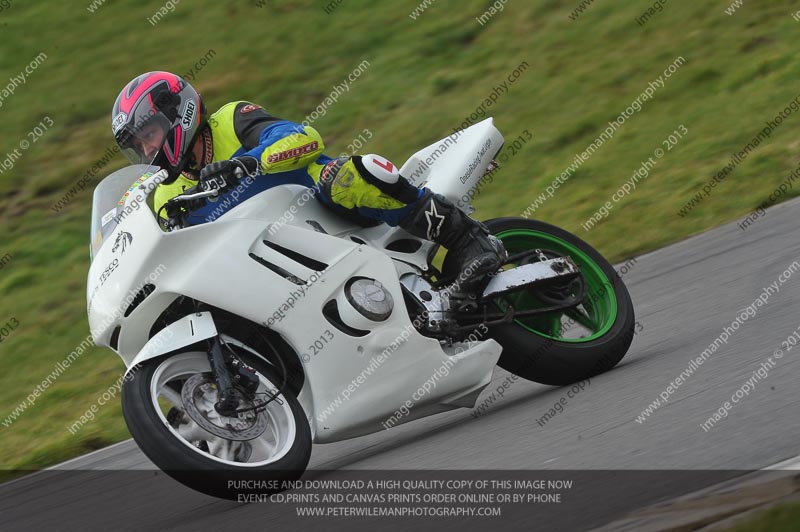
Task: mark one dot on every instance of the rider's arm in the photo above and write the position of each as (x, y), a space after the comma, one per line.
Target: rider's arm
(279, 145)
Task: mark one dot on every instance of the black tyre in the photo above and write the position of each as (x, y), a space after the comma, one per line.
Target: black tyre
(563, 347)
(177, 437)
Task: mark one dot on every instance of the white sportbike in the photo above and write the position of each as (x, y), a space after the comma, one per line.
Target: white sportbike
(281, 324)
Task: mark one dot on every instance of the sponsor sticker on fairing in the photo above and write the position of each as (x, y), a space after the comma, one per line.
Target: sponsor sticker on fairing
(107, 217)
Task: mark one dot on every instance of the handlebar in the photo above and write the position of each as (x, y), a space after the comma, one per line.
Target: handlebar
(192, 199)
(196, 195)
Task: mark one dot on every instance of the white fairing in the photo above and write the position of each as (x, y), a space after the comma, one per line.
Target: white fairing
(353, 383)
(454, 166)
(179, 334)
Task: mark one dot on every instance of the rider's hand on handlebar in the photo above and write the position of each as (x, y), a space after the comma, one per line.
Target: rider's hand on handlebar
(224, 175)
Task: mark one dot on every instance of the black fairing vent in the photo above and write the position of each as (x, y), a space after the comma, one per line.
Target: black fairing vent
(308, 262)
(331, 313)
(114, 342)
(289, 276)
(405, 245)
(140, 296)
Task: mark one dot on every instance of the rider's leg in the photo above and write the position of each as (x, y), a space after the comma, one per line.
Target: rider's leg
(367, 191)
(476, 252)
(372, 187)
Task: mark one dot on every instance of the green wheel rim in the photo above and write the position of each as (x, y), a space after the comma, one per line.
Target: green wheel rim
(600, 303)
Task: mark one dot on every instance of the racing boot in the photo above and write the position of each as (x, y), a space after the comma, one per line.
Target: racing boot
(468, 241)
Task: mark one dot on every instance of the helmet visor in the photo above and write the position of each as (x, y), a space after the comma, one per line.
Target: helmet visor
(143, 142)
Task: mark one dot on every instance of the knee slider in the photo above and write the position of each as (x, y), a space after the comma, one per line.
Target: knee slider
(378, 168)
(381, 173)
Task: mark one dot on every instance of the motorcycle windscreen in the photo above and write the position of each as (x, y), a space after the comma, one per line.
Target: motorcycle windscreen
(109, 197)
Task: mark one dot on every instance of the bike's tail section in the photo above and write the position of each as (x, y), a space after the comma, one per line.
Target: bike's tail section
(454, 165)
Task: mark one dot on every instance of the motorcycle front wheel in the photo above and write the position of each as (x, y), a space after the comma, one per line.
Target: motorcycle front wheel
(168, 404)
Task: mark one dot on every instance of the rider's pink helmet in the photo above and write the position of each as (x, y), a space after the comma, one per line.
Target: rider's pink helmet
(156, 120)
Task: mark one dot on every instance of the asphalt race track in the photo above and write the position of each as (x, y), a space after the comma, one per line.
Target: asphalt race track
(683, 294)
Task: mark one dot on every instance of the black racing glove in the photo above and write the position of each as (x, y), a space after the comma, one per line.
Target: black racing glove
(225, 175)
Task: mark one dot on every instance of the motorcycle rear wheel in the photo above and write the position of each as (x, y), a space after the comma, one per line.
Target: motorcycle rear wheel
(567, 346)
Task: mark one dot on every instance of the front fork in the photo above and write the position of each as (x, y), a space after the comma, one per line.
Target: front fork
(232, 377)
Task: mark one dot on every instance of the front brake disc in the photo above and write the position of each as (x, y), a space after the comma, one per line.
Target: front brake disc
(200, 388)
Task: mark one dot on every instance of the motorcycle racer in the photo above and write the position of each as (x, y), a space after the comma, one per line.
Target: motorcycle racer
(159, 118)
